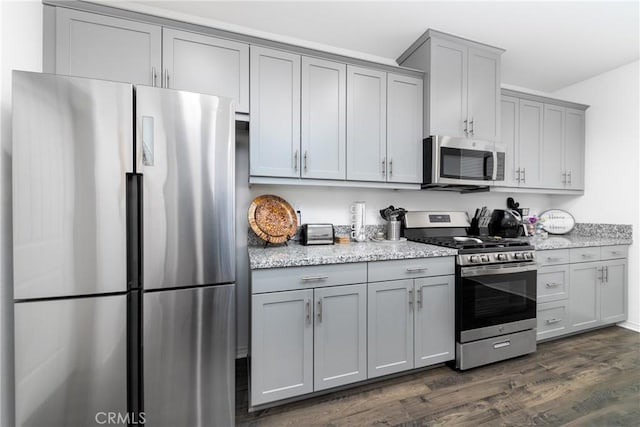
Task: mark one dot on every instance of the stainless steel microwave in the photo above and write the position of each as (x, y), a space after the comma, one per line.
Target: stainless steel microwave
(452, 163)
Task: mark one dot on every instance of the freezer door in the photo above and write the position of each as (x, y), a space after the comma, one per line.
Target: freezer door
(189, 357)
(72, 146)
(70, 361)
(185, 149)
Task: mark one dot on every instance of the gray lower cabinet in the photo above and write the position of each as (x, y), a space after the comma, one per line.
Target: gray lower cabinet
(581, 288)
(275, 113)
(434, 320)
(104, 47)
(204, 64)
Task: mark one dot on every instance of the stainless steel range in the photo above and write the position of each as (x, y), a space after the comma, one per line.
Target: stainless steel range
(495, 287)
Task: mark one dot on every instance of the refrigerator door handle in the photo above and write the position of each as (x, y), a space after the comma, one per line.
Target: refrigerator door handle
(147, 140)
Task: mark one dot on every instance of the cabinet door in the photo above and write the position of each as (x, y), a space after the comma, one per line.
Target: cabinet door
(274, 134)
(448, 88)
(484, 95)
(367, 119)
(404, 129)
(281, 345)
(613, 298)
(552, 153)
(510, 113)
(530, 143)
(340, 336)
(434, 320)
(585, 295)
(390, 327)
(204, 64)
(102, 47)
(323, 119)
(574, 149)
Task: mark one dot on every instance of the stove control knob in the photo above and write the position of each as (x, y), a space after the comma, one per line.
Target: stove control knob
(473, 259)
(528, 255)
(501, 257)
(484, 258)
(518, 256)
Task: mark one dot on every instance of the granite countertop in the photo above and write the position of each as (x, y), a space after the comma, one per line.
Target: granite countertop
(296, 255)
(573, 241)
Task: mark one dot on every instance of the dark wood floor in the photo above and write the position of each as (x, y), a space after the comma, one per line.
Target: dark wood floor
(591, 379)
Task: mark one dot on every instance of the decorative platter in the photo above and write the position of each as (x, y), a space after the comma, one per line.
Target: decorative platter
(557, 221)
(272, 219)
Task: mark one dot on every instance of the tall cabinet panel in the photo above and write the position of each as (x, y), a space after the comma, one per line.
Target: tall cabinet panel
(484, 95)
(367, 119)
(574, 149)
(404, 129)
(553, 146)
(340, 335)
(448, 88)
(510, 131)
(323, 119)
(204, 64)
(613, 298)
(281, 345)
(275, 113)
(102, 47)
(530, 141)
(434, 320)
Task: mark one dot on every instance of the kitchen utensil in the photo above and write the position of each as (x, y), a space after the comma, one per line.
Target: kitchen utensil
(557, 221)
(358, 221)
(272, 219)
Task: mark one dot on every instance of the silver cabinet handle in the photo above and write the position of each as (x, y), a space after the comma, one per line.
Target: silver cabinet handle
(616, 253)
(320, 310)
(601, 271)
(472, 130)
(154, 77)
(553, 285)
(384, 166)
(308, 311)
(391, 167)
(569, 177)
(466, 131)
(166, 78)
(549, 258)
(524, 175)
(553, 320)
(501, 344)
(410, 298)
(295, 161)
(606, 274)
(517, 173)
(313, 278)
(419, 292)
(564, 177)
(587, 256)
(416, 269)
(306, 160)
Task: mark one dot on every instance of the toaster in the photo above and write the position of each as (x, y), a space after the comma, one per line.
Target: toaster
(317, 234)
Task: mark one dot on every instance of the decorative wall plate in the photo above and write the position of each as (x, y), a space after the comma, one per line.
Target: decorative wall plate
(272, 219)
(557, 221)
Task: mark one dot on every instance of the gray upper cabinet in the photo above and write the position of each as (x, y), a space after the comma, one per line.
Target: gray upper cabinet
(275, 113)
(484, 94)
(510, 131)
(434, 320)
(574, 144)
(103, 47)
(205, 64)
(553, 146)
(367, 119)
(462, 97)
(340, 335)
(324, 136)
(404, 129)
(530, 135)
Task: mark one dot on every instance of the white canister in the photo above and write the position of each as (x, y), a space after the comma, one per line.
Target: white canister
(358, 221)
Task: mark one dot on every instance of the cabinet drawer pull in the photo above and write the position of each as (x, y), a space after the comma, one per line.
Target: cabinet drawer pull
(320, 310)
(553, 285)
(587, 256)
(616, 253)
(419, 292)
(308, 311)
(553, 320)
(416, 269)
(606, 274)
(410, 298)
(552, 259)
(312, 278)
(501, 344)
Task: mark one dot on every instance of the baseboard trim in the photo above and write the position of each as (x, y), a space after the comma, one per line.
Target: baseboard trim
(630, 325)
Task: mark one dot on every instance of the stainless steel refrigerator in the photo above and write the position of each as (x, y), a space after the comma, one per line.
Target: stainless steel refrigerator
(124, 254)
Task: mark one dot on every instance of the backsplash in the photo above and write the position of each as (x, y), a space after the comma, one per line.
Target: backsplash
(616, 231)
(340, 230)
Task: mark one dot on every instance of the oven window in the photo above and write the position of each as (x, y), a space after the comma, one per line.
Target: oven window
(496, 299)
(459, 163)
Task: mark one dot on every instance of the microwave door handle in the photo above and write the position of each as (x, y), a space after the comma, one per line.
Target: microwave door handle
(494, 172)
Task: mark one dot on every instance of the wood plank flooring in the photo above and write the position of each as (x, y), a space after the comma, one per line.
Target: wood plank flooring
(592, 379)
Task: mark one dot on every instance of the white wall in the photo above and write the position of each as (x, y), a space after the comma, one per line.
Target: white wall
(612, 180)
(21, 48)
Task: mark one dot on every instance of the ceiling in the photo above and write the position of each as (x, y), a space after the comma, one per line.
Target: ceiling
(549, 44)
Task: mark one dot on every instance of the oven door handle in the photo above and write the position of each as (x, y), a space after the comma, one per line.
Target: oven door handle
(489, 270)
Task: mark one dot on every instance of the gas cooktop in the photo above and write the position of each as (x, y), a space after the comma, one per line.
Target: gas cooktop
(472, 242)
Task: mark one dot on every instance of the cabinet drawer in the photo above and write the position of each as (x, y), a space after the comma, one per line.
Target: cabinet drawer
(552, 257)
(585, 254)
(283, 279)
(409, 268)
(552, 319)
(553, 283)
(613, 252)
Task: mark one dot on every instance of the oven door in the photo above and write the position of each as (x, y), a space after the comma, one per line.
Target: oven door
(494, 300)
